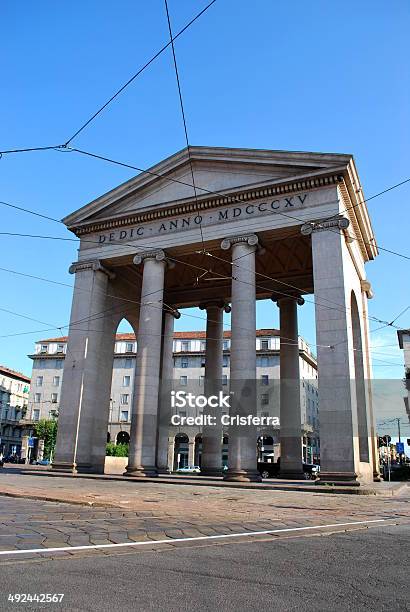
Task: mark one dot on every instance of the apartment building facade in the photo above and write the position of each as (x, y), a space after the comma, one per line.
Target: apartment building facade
(15, 424)
(188, 375)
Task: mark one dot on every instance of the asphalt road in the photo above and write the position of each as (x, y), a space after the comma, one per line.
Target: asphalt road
(358, 570)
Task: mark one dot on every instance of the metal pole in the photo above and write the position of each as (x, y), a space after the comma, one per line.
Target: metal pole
(400, 454)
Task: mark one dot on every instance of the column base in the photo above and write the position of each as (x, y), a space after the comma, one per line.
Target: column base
(141, 472)
(341, 479)
(216, 472)
(292, 475)
(65, 467)
(242, 476)
(163, 471)
(89, 468)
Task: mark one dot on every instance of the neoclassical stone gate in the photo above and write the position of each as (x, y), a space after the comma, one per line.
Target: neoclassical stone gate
(264, 224)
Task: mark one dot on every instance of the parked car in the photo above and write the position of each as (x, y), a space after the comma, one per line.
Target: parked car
(268, 470)
(311, 471)
(272, 470)
(189, 469)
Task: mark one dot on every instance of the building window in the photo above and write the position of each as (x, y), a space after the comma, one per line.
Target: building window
(183, 381)
(44, 348)
(36, 415)
(264, 345)
(203, 361)
(225, 361)
(185, 346)
(129, 347)
(203, 345)
(128, 362)
(54, 398)
(265, 379)
(56, 381)
(124, 415)
(265, 398)
(184, 362)
(60, 348)
(37, 398)
(39, 381)
(224, 380)
(225, 345)
(126, 381)
(124, 398)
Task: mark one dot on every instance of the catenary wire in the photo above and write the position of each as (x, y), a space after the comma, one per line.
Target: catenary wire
(342, 308)
(181, 103)
(140, 71)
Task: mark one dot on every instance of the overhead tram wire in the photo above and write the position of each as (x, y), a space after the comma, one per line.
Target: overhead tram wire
(232, 199)
(203, 269)
(229, 198)
(181, 103)
(116, 94)
(407, 180)
(184, 314)
(140, 71)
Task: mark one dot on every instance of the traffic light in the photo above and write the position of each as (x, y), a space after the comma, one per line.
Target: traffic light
(384, 440)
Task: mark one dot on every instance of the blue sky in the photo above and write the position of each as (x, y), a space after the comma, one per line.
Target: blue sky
(319, 76)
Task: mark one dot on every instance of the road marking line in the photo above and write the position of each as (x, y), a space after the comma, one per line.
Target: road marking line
(194, 539)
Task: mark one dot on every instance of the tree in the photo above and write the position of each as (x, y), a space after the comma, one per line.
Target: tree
(46, 429)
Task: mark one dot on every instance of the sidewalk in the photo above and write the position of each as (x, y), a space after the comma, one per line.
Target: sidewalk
(385, 489)
(179, 494)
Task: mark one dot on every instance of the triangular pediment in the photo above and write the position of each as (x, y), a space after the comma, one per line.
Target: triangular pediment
(219, 171)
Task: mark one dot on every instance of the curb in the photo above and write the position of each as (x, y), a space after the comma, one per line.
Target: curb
(324, 489)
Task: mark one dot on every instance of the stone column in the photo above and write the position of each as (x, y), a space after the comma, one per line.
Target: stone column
(290, 411)
(191, 451)
(242, 462)
(167, 372)
(87, 372)
(171, 453)
(211, 460)
(143, 435)
(334, 279)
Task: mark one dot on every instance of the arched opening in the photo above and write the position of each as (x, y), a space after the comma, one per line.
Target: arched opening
(360, 386)
(265, 449)
(198, 450)
(181, 451)
(118, 397)
(123, 437)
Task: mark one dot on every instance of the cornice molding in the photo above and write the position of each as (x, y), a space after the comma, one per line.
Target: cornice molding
(209, 203)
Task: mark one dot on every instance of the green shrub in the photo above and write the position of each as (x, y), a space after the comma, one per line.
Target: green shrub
(116, 450)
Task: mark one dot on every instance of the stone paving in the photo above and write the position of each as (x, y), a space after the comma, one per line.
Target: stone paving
(145, 511)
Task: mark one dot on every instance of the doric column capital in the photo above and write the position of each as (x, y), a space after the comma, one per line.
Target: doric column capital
(215, 303)
(341, 223)
(250, 239)
(92, 264)
(157, 254)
